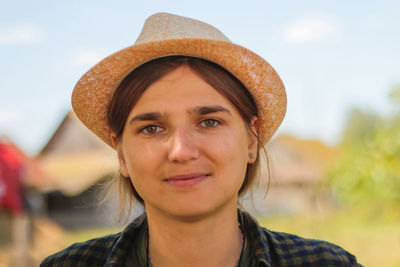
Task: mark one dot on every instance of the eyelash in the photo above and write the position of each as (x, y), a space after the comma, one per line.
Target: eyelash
(144, 130)
(216, 123)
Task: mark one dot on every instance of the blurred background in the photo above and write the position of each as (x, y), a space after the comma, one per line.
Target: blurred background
(334, 162)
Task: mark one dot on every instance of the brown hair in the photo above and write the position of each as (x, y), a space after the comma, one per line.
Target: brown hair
(135, 83)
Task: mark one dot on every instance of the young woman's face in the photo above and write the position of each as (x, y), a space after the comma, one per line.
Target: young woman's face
(185, 147)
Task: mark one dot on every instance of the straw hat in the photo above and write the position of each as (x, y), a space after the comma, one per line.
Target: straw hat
(163, 35)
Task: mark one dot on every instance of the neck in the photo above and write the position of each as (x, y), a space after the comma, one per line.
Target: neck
(209, 241)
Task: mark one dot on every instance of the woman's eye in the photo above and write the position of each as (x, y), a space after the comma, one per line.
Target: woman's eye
(151, 129)
(209, 123)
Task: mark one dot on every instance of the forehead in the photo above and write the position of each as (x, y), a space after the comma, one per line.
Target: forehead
(180, 89)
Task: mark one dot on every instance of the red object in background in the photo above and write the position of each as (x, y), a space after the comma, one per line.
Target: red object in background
(11, 170)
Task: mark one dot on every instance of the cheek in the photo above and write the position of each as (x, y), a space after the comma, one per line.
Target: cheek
(142, 168)
(232, 145)
(141, 161)
(230, 153)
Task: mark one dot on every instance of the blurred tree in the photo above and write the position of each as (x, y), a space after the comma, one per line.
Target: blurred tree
(360, 126)
(395, 95)
(368, 170)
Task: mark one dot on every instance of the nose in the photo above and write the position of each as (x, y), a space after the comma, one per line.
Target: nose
(182, 146)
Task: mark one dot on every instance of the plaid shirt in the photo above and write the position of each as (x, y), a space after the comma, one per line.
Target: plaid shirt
(266, 248)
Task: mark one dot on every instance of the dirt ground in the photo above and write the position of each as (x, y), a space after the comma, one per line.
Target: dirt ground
(42, 239)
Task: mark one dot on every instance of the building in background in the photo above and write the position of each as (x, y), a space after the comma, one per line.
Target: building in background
(293, 183)
(76, 163)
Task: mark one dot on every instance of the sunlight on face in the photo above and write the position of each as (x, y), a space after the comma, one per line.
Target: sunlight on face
(185, 147)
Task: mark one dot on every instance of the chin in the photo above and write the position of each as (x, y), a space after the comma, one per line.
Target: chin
(198, 211)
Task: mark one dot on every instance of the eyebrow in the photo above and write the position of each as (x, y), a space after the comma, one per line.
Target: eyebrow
(201, 110)
(204, 110)
(151, 116)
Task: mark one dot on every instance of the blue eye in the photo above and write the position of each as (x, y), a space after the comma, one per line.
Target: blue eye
(209, 123)
(151, 129)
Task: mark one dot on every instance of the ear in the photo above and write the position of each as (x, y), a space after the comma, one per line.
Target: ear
(253, 140)
(122, 163)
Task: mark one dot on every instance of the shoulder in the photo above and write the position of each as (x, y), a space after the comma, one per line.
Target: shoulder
(109, 250)
(271, 248)
(292, 250)
(93, 252)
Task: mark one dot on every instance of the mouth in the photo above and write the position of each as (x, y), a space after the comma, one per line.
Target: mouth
(186, 180)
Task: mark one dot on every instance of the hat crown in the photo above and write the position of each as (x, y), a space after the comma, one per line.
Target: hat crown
(164, 26)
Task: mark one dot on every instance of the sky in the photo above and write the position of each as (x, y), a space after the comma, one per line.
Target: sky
(331, 55)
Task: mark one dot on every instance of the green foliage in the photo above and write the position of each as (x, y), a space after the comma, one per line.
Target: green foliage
(395, 95)
(368, 169)
(360, 127)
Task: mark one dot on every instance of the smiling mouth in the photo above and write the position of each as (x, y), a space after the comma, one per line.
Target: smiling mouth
(187, 179)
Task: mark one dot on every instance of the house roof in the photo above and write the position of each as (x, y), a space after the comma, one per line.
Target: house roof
(294, 160)
(71, 136)
(75, 159)
(73, 173)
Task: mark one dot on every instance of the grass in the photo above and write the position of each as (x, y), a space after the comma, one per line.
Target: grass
(374, 240)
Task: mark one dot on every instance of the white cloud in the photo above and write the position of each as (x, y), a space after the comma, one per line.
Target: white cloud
(310, 29)
(86, 57)
(21, 34)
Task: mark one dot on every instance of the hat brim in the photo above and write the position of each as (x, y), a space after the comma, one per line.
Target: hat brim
(93, 92)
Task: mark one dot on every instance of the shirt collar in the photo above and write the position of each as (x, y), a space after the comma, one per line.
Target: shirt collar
(255, 236)
(256, 239)
(124, 243)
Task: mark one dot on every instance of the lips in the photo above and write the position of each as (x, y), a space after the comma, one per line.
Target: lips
(186, 180)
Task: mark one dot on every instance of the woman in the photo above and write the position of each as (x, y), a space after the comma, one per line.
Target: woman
(187, 112)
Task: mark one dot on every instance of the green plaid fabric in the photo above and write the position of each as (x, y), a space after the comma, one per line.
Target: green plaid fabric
(265, 248)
